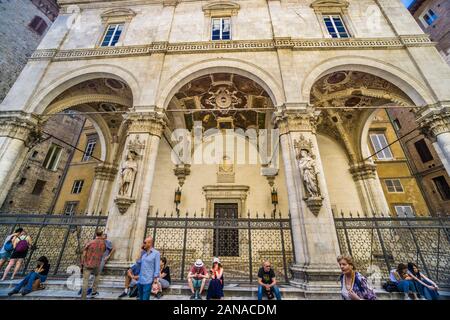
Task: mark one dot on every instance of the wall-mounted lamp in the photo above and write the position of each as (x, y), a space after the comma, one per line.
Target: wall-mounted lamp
(177, 199)
(274, 195)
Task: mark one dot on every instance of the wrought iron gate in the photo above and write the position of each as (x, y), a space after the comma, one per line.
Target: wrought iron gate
(184, 239)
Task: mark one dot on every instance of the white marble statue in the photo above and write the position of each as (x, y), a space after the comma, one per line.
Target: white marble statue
(307, 167)
(127, 175)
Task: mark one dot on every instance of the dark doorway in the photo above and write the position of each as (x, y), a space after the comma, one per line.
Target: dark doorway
(226, 239)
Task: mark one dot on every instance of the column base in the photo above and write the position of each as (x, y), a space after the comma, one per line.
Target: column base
(116, 268)
(313, 279)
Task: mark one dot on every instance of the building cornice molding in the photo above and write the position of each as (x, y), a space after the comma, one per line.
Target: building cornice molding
(231, 46)
(20, 125)
(296, 120)
(434, 120)
(145, 123)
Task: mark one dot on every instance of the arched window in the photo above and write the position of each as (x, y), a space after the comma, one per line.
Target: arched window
(38, 25)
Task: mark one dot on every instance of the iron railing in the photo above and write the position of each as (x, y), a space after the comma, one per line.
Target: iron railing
(183, 239)
(378, 244)
(58, 237)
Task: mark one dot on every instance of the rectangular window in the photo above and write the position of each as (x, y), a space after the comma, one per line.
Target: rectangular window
(397, 124)
(89, 150)
(423, 151)
(442, 186)
(77, 186)
(112, 35)
(335, 26)
(52, 159)
(38, 187)
(430, 17)
(394, 185)
(380, 145)
(70, 208)
(404, 211)
(221, 29)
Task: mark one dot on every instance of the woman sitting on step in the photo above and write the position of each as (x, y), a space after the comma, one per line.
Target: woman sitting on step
(34, 279)
(354, 285)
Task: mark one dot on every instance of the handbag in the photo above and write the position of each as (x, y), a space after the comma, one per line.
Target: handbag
(390, 286)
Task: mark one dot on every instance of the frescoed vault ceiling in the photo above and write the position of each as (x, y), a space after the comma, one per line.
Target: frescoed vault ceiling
(223, 97)
(348, 98)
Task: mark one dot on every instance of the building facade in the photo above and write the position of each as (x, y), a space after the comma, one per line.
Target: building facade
(432, 16)
(229, 100)
(25, 24)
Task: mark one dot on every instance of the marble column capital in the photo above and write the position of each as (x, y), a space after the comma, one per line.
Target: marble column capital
(304, 119)
(106, 172)
(363, 171)
(434, 120)
(20, 125)
(152, 122)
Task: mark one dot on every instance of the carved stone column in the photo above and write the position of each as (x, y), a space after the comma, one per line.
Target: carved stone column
(435, 124)
(369, 188)
(101, 189)
(130, 200)
(18, 132)
(314, 234)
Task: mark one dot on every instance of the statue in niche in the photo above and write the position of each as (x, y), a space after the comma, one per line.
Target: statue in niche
(307, 166)
(128, 175)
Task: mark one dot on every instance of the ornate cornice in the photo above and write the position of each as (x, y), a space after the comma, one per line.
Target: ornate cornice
(299, 120)
(105, 172)
(20, 125)
(231, 46)
(146, 122)
(434, 120)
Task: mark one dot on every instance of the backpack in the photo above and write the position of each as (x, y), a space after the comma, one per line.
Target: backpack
(22, 245)
(8, 247)
(390, 286)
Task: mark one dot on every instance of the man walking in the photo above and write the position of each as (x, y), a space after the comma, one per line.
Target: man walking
(149, 269)
(91, 261)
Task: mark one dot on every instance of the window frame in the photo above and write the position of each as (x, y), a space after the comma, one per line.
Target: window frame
(50, 153)
(41, 188)
(221, 19)
(427, 13)
(74, 206)
(439, 190)
(332, 20)
(404, 205)
(88, 155)
(77, 186)
(423, 151)
(383, 149)
(394, 188)
(116, 24)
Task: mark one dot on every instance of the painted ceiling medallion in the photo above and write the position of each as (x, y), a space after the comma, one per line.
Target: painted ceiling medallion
(223, 98)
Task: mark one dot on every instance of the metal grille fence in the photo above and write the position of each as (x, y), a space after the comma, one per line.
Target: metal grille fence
(184, 239)
(379, 244)
(60, 238)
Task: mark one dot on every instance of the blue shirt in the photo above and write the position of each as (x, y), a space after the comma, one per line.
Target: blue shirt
(149, 266)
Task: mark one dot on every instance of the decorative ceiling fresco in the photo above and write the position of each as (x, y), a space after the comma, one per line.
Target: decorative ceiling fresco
(348, 98)
(228, 100)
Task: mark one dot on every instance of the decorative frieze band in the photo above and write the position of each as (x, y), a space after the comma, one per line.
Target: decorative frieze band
(244, 45)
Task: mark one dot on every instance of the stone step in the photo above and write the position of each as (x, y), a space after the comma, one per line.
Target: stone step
(110, 288)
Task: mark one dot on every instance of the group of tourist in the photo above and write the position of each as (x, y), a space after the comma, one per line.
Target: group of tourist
(150, 274)
(405, 278)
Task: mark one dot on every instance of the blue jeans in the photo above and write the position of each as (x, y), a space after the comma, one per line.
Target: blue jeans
(406, 286)
(274, 288)
(144, 291)
(425, 292)
(28, 281)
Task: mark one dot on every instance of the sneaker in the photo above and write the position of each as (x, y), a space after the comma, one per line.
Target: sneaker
(199, 297)
(193, 296)
(93, 294)
(158, 295)
(89, 291)
(123, 294)
(12, 292)
(25, 292)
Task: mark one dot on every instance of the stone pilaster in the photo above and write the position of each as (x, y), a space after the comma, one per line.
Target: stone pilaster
(18, 132)
(434, 122)
(101, 189)
(128, 213)
(369, 188)
(314, 234)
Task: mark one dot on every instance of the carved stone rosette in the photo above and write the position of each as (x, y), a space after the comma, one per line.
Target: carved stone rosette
(434, 120)
(300, 120)
(20, 125)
